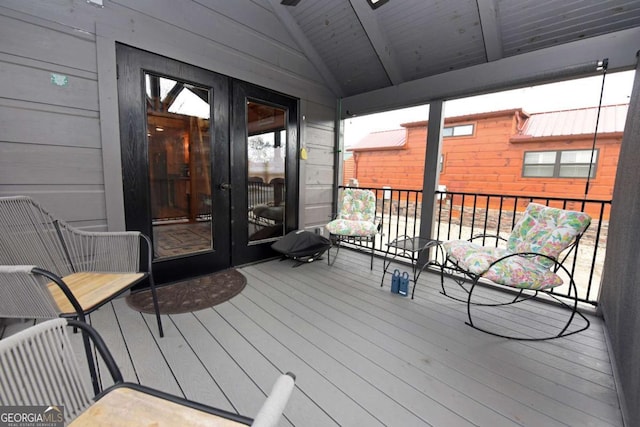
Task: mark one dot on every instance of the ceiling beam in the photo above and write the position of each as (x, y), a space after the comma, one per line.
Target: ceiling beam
(540, 66)
(488, 11)
(306, 47)
(369, 22)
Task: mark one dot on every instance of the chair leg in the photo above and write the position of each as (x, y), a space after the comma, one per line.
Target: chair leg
(443, 291)
(93, 373)
(353, 239)
(458, 280)
(152, 283)
(156, 307)
(473, 286)
(563, 332)
(574, 311)
(372, 252)
(337, 245)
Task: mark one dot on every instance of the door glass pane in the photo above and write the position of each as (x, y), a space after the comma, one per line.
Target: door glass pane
(179, 166)
(266, 151)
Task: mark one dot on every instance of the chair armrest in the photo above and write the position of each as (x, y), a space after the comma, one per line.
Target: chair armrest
(272, 408)
(24, 292)
(99, 344)
(105, 251)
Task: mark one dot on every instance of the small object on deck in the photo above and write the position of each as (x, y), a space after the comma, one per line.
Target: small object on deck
(302, 246)
(395, 281)
(404, 284)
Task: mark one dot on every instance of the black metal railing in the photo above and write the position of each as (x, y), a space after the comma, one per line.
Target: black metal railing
(259, 193)
(461, 215)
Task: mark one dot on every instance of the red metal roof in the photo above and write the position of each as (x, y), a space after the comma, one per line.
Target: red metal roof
(382, 140)
(576, 122)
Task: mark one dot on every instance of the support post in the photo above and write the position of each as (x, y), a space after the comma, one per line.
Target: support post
(431, 171)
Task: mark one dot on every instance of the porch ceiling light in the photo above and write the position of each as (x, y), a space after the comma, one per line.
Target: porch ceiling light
(376, 3)
(290, 2)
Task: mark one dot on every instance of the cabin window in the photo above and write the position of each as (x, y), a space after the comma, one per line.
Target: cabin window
(458, 130)
(559, 164)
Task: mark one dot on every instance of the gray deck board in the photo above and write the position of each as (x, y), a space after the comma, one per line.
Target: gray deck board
(412, 387)
(112, 337)
(150, 364)
(362, 355)
(440, 363)
(219, 365)
(366, 382)
(571, 385)
(191, 374)
(435, 344)
(343, 409)
(247, 380)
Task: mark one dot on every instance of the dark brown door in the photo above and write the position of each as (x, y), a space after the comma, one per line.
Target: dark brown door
(210, 173)
(265, 170)
(174, 131)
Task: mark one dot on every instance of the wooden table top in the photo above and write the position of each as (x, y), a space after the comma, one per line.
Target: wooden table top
(124, 407)
(91, 289)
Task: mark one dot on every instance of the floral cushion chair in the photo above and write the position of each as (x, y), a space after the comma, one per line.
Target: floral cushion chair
(356, 220)
(531, 260)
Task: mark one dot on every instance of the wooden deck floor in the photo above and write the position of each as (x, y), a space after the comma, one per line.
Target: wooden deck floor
(362, 356)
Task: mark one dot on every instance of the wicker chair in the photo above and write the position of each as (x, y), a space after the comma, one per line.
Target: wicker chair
(49, 268)
(39, 368)
(529, 264)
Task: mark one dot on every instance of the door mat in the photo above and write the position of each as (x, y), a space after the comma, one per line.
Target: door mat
(191, 295)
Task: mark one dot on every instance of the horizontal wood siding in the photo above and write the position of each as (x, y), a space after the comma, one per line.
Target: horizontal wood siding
(316, 197)
(50, 145)
(481, 163)
(50, 141)
(402, 168)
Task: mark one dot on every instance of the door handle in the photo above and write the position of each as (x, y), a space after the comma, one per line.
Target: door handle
(224, 186)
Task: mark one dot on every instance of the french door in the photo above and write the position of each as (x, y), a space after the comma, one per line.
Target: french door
(264, 159)
(191, 157)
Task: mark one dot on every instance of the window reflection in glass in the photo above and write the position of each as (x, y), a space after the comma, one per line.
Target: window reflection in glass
(179, 166)
(266, 153)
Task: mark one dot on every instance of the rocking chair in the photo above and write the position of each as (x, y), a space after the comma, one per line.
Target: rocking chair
(356, 221)
(535, 251)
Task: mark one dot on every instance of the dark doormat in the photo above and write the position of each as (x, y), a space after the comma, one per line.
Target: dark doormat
(191, 295)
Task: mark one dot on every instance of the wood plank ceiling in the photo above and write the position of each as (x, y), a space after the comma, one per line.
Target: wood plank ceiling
(357, 49)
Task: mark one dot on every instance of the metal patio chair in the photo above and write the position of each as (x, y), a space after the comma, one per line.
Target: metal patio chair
(49, 268)
(356, 221)
(531, 263)
(39, 368)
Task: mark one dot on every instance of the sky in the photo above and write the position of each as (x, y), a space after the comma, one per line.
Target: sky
(577, 93)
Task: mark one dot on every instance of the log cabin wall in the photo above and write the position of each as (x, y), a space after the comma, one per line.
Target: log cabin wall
(489, 161)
